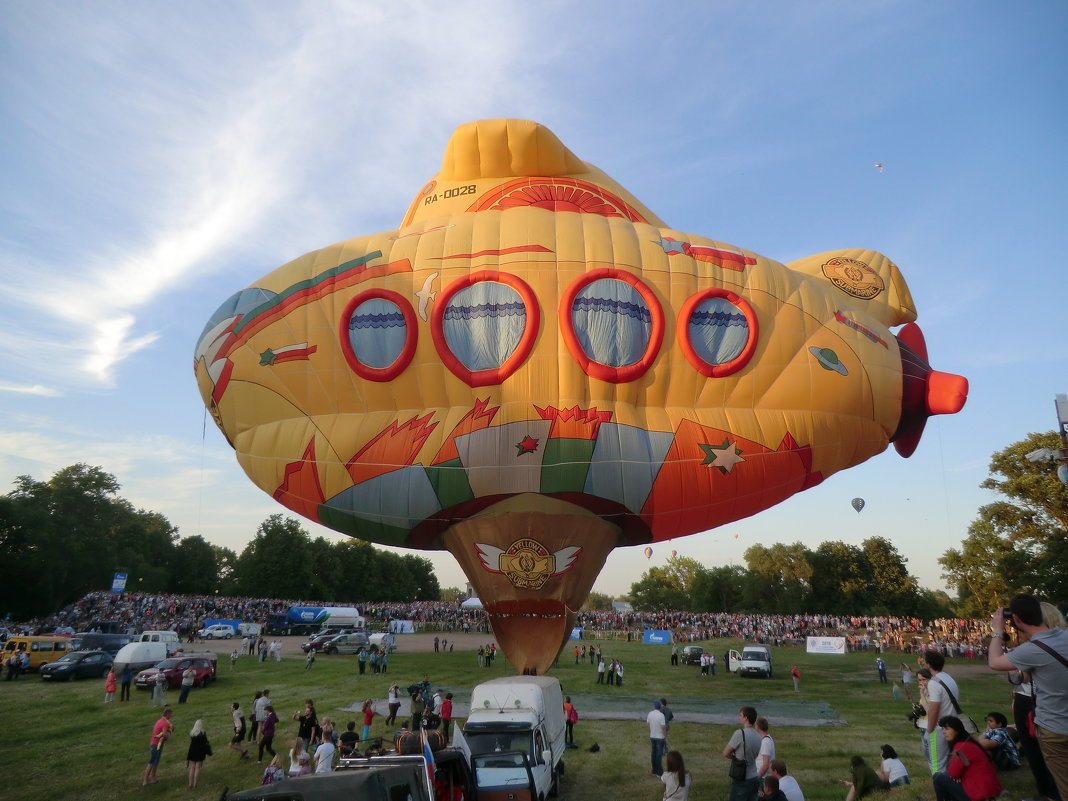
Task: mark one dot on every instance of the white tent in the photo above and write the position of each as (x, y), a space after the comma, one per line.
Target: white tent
(472, 603)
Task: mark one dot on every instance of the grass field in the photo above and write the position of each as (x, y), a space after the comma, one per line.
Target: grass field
(60, 741)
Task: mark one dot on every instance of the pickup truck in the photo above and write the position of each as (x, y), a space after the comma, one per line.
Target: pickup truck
(373, 778)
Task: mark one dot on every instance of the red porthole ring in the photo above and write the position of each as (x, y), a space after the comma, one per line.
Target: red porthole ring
(734, 327)
(631, 307)
(486, 305)
(358, 328)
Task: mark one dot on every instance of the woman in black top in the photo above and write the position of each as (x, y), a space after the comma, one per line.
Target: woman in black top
(199, 750)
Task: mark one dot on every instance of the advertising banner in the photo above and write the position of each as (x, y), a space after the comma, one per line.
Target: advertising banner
(825, 645)
(657, 636)
(118, 584)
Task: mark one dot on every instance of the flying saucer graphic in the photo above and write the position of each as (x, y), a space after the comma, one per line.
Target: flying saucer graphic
(828, 360)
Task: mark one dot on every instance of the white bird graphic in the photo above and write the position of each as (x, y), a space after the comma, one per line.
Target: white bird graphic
(425, 295)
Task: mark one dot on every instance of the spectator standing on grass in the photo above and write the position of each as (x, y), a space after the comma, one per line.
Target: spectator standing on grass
(657, 738)
(880, 666)
(944, 699)
(199, 750)
(668, 714)
(600, 670)
(393, 701)
(259, 708)
(744, 744)
(1045, 657)
(324, 755)
(189, 675)
(368, 717)
(233, 659)
(159, 689)
(110, 684)
(446, 715)
(787, 783)
(125, 681)
(267, 729)
(570, 719)
(237, 742)
(161, 732)
(254, 715)
(767, 748)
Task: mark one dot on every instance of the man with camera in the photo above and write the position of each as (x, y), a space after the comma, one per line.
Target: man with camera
(1045, 657)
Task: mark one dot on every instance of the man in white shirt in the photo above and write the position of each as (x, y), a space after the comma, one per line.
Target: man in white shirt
(657, 738)
(767, 749)
(324, 755)
(944, 699)
(788, 784)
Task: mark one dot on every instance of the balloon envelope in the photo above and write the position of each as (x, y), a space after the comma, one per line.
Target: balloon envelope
(858, 504)
(534, 369)
(648, 553)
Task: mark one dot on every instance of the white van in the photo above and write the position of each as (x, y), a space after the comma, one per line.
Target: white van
(754, 660)
(520, 715)
(149, 648)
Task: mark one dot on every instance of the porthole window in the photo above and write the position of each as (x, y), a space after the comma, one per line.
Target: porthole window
(613, 325)
(378, 334)
(484, 326)
(717, 332)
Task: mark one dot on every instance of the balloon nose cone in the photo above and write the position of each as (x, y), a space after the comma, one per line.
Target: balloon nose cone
(924, 392)
(946, 392)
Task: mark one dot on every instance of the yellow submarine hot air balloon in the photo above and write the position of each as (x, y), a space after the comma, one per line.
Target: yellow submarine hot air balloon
(534, 369)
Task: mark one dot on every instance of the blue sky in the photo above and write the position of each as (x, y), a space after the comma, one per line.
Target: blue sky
(158, 157)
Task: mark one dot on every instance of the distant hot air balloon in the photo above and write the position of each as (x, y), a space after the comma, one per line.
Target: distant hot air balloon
(858, 504)
(534, 368)
(879, 166)
(735, 536)
(648, 553)
(674, 553)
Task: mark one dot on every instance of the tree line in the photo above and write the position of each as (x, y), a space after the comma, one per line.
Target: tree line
(69, 535)
(1019, 543)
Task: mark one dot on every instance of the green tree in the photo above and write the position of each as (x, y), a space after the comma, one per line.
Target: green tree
(666, 587)
(426, 583)
(890, 589)
(193, 569)
(718, 589)
(70, 534)
(780, 575)
(278, 562)
(1019, 543)
(598, 601)
(837, 578)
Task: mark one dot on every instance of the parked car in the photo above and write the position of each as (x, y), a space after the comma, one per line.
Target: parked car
(691, 654)
(173, 668)
(77, 665)
(346, 644)
(218, 631)
(317, 641)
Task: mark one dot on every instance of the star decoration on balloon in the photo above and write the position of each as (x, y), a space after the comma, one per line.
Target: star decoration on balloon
(724, 456)
(267, 357)
(527, 445)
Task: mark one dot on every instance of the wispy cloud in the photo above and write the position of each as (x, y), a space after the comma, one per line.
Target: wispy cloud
(238, 158)
(28, 389)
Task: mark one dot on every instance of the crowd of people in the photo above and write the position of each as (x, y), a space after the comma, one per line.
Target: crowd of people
(955, 637)
(963, 761)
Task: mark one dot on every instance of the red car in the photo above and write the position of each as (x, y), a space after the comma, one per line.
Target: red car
(173, 668)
